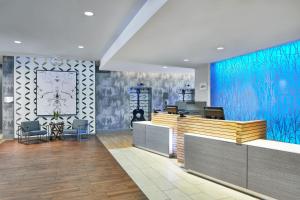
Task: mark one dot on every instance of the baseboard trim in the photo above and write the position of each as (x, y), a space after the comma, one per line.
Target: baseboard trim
(153, 151)
(101, 131)
(232, 186)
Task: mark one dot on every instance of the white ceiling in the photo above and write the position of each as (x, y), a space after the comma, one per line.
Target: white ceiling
(181, 29)
(193, 29)
(57, 27)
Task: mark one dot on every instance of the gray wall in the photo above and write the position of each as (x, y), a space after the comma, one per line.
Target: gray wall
(202, 76)
(1, 99)
(8, 90)
(112, 97)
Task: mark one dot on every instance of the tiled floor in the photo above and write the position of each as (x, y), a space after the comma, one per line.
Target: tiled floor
(162, 178)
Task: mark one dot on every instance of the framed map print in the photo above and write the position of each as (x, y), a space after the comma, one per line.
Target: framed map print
(56, 92)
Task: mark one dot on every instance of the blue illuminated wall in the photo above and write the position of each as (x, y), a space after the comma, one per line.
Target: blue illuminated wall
(262, 85)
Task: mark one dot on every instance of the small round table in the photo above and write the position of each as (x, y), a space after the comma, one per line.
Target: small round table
(56, 130)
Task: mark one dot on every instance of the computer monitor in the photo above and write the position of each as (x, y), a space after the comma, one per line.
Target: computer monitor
(214, 113)
(172, 109)
(193, 108)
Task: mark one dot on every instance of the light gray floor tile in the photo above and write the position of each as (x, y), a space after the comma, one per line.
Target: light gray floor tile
(176, 194)
(163, 178)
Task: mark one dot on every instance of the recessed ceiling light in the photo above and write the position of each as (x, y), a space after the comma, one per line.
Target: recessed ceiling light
(88, 13)
(220, 48)
(80, 47)
(165, 67)
(186, 60)
(17, 42)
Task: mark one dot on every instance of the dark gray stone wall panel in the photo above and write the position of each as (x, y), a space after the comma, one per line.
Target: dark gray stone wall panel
(8, 91)
(1, 121)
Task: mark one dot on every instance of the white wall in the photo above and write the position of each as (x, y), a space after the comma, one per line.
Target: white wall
(202, 78)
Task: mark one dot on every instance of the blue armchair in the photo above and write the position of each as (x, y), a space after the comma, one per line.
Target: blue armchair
(31, 130)
(79, 128)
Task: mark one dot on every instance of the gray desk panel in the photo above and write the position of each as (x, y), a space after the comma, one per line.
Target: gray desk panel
(139, 134)
(157, 139)
(219, 159)
(152, 137)
(274, 173)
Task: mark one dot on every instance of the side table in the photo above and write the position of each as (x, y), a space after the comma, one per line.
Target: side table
(56, 130)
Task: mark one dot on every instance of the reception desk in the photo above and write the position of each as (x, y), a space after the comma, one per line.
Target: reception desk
(233, 153)
(238, 131)
(262, 168)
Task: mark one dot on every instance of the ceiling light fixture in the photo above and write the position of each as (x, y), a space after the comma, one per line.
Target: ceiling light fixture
(88, 13)
(80, 47)
(186, 60)
(165, 67)
(220, 48)
(17, 42)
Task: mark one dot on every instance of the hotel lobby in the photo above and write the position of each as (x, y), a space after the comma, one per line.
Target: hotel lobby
(149, 99)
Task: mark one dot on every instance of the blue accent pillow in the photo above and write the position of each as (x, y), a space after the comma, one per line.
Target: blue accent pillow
(82, 131)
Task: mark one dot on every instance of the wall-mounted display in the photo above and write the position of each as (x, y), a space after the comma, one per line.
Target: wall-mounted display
(56, 92)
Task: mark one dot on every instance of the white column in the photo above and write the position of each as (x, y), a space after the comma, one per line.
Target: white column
(202, 83)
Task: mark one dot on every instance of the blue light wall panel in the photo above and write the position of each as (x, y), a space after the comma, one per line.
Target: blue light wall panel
(262, 85)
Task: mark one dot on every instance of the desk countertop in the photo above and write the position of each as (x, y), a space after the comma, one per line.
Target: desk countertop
(268, 144)
(276, 145)
(206, 119)
(210, 137)
(150, 123)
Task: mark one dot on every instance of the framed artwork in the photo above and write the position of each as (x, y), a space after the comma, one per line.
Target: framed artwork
(56, 92)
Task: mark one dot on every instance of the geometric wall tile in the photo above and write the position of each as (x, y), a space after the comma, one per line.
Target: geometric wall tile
(25, 88)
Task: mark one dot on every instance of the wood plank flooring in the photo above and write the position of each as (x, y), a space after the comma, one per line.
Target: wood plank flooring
(63, 170)
(116, 140)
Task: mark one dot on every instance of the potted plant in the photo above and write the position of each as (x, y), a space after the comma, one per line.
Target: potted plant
(55, 116)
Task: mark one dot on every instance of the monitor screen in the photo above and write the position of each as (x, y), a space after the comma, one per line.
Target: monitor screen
(214, 113)
(172, 109)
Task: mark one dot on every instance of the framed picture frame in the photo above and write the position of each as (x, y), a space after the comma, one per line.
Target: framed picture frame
(56, 91)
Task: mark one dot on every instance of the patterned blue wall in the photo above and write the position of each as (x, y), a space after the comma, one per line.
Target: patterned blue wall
(262, 85)
(113, 109)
